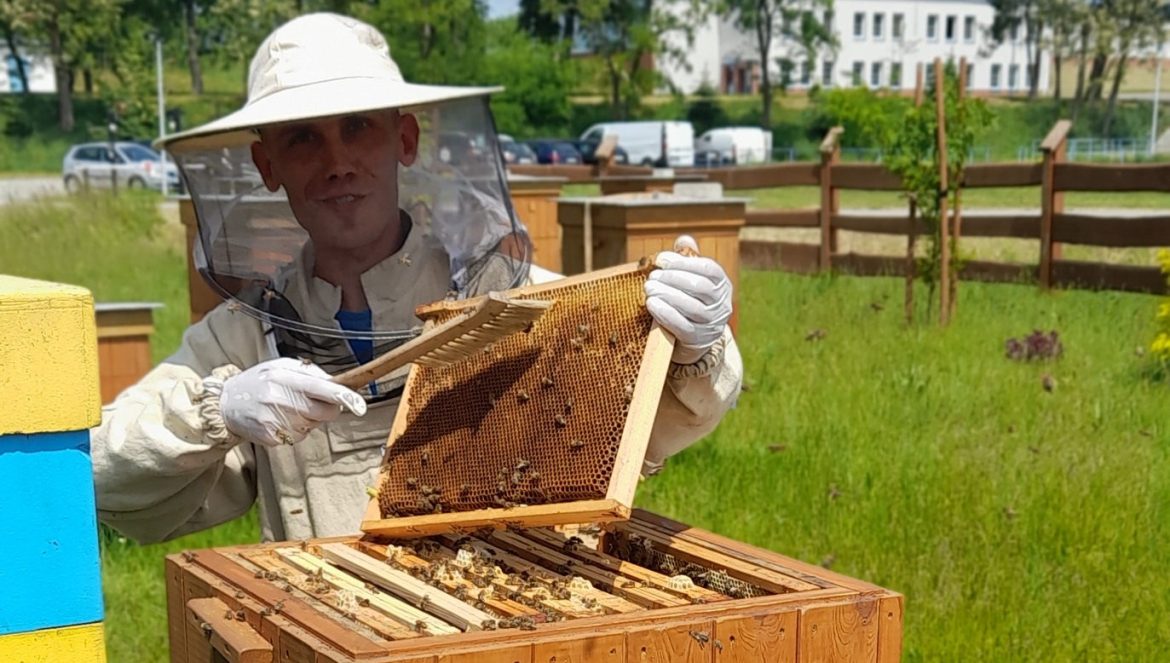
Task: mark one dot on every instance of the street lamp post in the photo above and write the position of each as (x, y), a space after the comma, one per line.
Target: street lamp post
(162, 106)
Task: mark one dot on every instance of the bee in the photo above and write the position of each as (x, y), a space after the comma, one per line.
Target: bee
(523, 396)
(546, 382)
(460, 592)
(629, 393)
(577, 343)
(613, 340)
(576, 444)
(424, 457)
(424, 602)
(583, 330)
(488, 625)
(702, 637)
(420, 626)
(464, 489)
(534, 476)
(411, 483)
(560, 421)
(521, 465)
(492, 400)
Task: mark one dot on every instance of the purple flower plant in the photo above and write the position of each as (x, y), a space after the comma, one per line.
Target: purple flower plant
(1035, 346)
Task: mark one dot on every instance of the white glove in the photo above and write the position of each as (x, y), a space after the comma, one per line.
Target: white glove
(279, 401)
(690, 298)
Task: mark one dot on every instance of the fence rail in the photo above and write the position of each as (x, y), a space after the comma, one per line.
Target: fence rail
(1050, 225)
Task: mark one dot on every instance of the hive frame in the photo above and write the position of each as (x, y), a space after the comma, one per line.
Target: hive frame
(631, 452)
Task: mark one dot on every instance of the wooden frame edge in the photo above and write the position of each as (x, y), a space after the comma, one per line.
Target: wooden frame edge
(540, 515)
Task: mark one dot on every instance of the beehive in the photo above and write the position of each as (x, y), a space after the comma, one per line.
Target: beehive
(545, 427)
(475, 580)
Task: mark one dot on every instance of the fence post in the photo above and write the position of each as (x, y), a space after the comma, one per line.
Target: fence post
(830, 200)
(1054, 149)
(944, 223)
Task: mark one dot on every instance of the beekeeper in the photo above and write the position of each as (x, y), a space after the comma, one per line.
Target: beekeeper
(334, 202)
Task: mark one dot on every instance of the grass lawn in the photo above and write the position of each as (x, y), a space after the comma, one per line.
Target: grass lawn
(1020, 524)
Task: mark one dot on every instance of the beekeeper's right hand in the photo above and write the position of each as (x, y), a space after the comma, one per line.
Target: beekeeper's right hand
(279, 401)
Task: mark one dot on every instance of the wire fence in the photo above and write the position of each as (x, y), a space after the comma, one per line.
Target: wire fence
(1117, 150)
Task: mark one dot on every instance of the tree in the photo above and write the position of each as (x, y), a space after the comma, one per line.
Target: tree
(79, 33)
(538, 78)
(6, 24)
(1136, 24)
(1010, 17)
(772, 21)
(433, 41)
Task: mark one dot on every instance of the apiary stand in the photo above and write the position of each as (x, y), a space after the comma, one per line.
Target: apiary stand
(535, 201)
(123, 341)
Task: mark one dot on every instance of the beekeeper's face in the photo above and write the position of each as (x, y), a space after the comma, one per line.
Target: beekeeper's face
(340, 173)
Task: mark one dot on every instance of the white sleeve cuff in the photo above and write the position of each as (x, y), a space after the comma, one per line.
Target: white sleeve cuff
(210, 410)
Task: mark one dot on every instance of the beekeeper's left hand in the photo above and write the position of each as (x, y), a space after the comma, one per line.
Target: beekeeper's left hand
(691, 298)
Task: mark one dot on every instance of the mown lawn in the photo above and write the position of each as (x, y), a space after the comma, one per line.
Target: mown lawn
(1021, 524)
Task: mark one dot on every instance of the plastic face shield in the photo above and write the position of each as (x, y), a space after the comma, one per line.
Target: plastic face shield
(251, 244)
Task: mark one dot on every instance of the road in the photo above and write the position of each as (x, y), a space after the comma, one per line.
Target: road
(13, 189)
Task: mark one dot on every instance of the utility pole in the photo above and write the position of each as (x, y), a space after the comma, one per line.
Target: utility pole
(162, 106)
(1157, 94)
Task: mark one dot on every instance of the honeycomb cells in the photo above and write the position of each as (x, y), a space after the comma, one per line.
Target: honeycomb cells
(537, 418)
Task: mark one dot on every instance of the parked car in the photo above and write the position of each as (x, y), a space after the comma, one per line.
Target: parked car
(588, 148)
(650, 143)
(514, 152)
(733, 145)
(553, 151)
(132, 165)
(459, 148)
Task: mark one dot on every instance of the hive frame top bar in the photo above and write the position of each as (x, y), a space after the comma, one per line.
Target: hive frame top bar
(616, 504)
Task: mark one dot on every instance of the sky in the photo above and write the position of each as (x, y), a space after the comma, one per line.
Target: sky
(498, 8)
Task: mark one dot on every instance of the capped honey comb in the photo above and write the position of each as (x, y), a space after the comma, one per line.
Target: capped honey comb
(541, 417)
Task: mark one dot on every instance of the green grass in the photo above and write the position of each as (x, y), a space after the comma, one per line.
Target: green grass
(1020, 524)
(1016, 521)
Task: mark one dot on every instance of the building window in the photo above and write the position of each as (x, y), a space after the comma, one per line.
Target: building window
(969, 28)
(970, 76)
(879, 26)
(896, 75)
(806, 72)
(827, 73)
(859, 25)
(928, 72)
(829, 20)
(858, 73)
(1028, 76)
(1014, 32)
(899, 26)
(14, 82)
(1013, 76)
(875, 74)
(996, 71)
(950, 29)
(932, 27)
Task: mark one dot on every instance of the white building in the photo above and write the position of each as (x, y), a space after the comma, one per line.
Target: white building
(880, 45)
(38, 69)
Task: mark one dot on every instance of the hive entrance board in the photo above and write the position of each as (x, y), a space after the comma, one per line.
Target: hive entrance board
(546, 427)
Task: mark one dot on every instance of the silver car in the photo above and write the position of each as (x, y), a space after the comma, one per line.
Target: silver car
(127, 164)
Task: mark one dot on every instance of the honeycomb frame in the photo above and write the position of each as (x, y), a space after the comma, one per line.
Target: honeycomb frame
(607, 501)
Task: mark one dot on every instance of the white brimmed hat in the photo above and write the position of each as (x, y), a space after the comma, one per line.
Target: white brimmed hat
(319, 65)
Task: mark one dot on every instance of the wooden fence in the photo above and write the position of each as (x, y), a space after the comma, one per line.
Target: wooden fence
(1050, 225)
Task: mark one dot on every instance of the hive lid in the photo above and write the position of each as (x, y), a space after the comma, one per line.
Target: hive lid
(546, 427)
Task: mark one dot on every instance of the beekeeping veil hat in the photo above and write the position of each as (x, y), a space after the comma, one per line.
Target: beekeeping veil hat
(322, 66)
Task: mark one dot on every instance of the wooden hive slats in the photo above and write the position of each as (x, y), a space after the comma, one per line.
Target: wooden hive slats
(688, 643)
(768, 638)
(734, 567)
(648, 597)
(442, 605)
(408, 561)
(597, 649)
(371, 618)
(351, 644)
(840, 631)
(615, 565)
(609, 602)
(562, 607)
(392, 607)
(531, 516)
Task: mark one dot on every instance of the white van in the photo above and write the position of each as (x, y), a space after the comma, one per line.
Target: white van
(734, 145)
(651, 143)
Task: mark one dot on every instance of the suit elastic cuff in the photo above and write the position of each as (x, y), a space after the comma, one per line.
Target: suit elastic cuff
(211, 410)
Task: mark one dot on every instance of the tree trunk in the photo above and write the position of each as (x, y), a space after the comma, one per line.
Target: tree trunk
(1058, 63)
(1097, 76)
(192, 37)
(10, 38)
(87, 81)
(62, 78)
(1117, 76)
(1034, 62)
(764, 42)
(615, 89)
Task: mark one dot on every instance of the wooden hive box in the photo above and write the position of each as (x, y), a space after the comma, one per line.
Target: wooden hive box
(460, 561)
